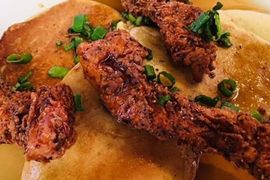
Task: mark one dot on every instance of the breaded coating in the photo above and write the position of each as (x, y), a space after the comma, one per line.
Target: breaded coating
(114, 66)
(41, 122)
(184, 46)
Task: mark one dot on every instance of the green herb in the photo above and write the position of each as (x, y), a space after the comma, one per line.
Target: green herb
(23, 84)
(230, 106)
(76, 59)
(69, 47)
(124, 15)
(208, 26)
(149, 57)
(114, 24)
(58, 72)
(19, 59)
(166, 79)
(174, 89)
(257, 115)
(59, 43)
(75, 42)
(227, 87)
(78, 23)
(78, 103)
(98, 33)
(206, 100)
(150, 72)
(138, 21)
(131, 18)
(164, 99)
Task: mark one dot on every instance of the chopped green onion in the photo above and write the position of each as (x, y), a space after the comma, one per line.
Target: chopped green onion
(78, 23)
(150, 72)
(87, 31)
(76, 59)
(25, 77)
(149, 57)
(98, 33)
(174, 89)
(125, 15)
(58, 72)
(230, 106)
(218, 6)
(131, 18)
(77, 41)
(114, 24)
(206, 100)
(19, 59)
(164, 99)
(166, 79)
(227, 87)
(69, 47)
(257, 115)
(224, 40)
(208, 26)
(59, 43)
(138, 21)
(78, 103)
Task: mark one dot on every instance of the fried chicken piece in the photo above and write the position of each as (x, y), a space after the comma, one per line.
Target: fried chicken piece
(184, 46)
(114, 66)
(41, 122)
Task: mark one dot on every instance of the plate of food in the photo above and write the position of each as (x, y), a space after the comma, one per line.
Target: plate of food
(135, 90)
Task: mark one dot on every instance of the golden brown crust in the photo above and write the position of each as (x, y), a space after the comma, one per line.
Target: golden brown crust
(41, 122)
(185, 47)
(115, 67)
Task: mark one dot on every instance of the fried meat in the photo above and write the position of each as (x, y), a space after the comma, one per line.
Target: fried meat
(185, 47)
(114, 66)
(42, 122)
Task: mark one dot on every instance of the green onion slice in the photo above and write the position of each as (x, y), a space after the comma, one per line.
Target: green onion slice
(230, 106)
(227, 87)
(59, 43)
(206, 100)
(164, 99)
(78, 23)
(78, 103)
(149, 57)
(166, 79)
(150, 72)
(58, 72)
(257, 115)
(175, 89)
(138, 21)
(76, 59)
(98, 33)
(25, 77)
(131, 18)
(224, 40)
(19, 59)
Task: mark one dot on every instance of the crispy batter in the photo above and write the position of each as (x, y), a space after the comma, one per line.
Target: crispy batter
(41, 122)
(115, 67)
(185, 47)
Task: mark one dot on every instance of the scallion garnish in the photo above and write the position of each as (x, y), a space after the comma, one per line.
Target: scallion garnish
(131, 18)
(206, 100)
(19, 59)
(98, 33)
(114, 24)
(23, 84)
(257, 115)
(138, 21)
(149, 57)
(227, 87)
(78, 103)
(230, 106)
(150, 72)
(76, 59)
(58, 72)
(78, 23)
(166, 79)
(174, 89)
(208, 26)
(162, 100)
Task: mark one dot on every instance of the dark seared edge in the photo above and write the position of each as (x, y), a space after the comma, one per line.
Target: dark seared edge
(185, 47)
(115, 67)
(42, 122)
